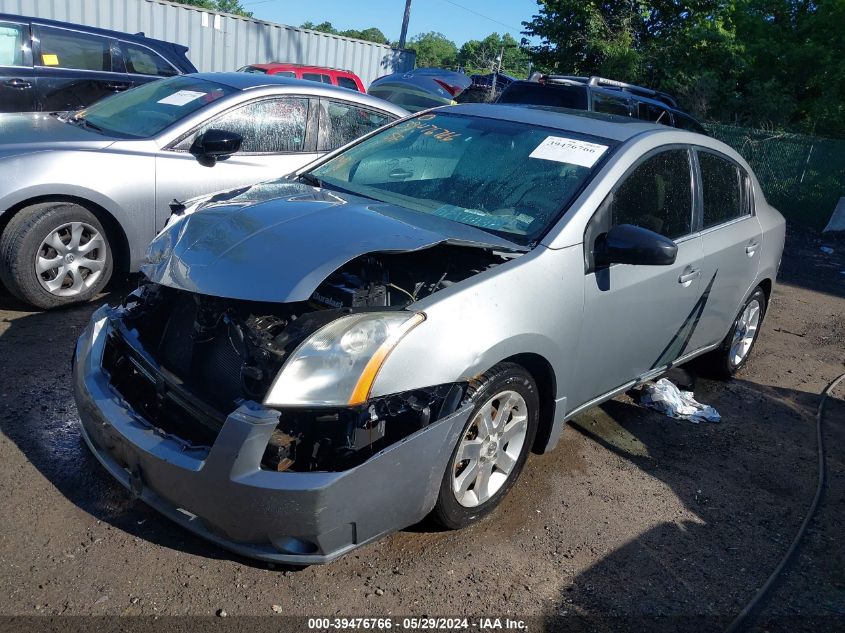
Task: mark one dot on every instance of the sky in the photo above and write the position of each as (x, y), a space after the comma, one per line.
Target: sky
(459, 20)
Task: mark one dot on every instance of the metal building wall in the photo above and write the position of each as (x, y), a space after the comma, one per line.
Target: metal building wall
(221, 42)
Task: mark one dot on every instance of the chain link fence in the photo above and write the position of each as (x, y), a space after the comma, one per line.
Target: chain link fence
(802, 176)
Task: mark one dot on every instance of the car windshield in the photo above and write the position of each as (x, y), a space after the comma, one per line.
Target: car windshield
(148, 109)
(509, 178)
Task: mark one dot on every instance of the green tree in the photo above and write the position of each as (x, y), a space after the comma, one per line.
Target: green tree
(371, 34)
(434, 49)
(323, 27)
(773, 63)
(482, 56)
(222, 6)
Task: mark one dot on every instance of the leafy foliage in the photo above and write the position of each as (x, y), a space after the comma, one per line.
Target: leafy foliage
(482, 56)
(371, 34)
(772, 63)
(222, 6)
(434, 49)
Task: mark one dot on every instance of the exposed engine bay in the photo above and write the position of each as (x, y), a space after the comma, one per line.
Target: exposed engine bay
(184, 361)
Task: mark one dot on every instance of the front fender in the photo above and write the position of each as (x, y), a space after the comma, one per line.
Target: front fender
(123, 186)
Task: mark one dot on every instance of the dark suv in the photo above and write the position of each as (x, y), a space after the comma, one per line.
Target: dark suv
(597, 94)
(48, 66)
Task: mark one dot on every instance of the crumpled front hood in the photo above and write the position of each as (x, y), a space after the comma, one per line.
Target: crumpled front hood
(38, 131)
(254, 245)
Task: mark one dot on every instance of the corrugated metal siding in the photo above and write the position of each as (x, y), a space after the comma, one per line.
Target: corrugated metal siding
(221, 42)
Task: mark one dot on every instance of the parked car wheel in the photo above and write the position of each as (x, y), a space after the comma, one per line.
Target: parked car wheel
(735, 350)
(53, 255)
(492, 448)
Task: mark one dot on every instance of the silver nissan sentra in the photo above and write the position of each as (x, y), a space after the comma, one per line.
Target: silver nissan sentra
(313, 362)
(83, 193)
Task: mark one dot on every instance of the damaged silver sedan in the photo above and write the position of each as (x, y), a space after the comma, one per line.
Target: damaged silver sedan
(314, 362)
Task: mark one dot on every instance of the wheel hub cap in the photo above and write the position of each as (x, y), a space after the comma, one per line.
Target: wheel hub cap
(70, 259)
(490, 448)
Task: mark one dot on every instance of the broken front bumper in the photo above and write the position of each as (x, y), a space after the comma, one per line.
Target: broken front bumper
(223, 494)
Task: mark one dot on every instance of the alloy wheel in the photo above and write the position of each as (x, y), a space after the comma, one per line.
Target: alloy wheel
(490, 448)
(745, 331)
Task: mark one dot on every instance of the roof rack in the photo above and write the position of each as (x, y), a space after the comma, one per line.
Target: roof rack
(603, 82)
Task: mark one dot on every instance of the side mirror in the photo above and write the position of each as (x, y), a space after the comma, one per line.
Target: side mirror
(629, 244)
(214, 144)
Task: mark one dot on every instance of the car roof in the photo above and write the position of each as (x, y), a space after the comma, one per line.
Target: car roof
(607, 91)
(610, 126)
(129, 37)
(252, 81)
(285, 65)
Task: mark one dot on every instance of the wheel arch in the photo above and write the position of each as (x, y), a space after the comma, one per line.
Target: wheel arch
(766, 284)
(543, 373)
(118, 240)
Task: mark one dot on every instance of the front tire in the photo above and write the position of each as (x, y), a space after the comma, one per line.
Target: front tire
(55, 254)
(493, 446)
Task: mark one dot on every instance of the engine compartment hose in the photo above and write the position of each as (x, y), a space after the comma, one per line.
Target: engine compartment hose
(741, 618)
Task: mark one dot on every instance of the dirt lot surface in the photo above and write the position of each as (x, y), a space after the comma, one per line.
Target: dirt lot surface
(635, 518)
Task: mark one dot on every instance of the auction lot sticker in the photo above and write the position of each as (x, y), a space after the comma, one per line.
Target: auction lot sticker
(569, 150)
(181, 97)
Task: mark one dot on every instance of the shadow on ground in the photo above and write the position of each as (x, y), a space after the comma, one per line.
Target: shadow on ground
(749, 482)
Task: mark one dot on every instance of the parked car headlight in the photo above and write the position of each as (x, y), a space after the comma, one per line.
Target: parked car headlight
(338, 364)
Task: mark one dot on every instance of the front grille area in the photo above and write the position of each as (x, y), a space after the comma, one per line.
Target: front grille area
(156, 394)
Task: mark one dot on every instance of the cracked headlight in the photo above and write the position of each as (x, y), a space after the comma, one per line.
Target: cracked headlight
(337, 365)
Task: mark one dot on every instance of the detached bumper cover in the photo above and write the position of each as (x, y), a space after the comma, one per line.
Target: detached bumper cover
(222, 493)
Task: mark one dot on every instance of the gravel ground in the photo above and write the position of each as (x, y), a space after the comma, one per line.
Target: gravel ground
(635, 520)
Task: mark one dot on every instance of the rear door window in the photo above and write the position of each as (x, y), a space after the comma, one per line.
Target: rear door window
(13, 39)
(317, 77)
(342, 122)
(347, 82)
(656, 195)
(270, 126)
(62, 48)
(724, 189)
(141, 60)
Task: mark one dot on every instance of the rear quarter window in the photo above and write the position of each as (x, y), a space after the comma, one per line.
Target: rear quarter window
(140, 60)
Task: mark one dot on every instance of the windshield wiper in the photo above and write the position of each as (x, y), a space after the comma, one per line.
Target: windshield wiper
(88, 124)
(310, 180)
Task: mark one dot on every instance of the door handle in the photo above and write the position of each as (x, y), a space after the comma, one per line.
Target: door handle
(689, 276)
(20, 84)
(751, 248)
(117, 86)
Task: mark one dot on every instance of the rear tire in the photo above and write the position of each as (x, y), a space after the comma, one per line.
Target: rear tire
(55, 254)
(735, 350)
(493, 446)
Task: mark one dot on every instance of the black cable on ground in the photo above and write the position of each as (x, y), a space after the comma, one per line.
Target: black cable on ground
(740, 619)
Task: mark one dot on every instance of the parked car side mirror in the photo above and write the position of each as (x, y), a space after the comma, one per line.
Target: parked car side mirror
(214, 144)
(629, 244)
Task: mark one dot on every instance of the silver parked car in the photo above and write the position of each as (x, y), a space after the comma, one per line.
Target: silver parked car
(85, 192)
(317, 361)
